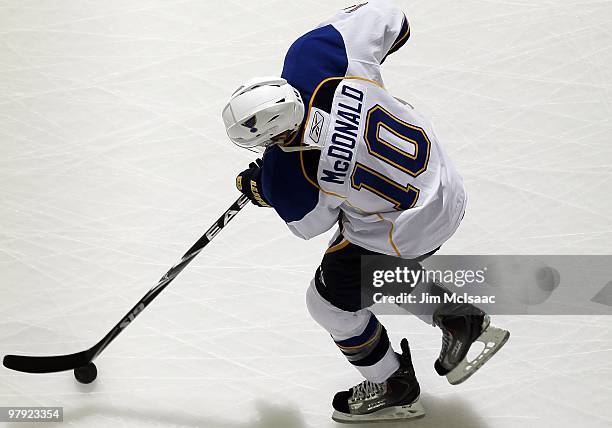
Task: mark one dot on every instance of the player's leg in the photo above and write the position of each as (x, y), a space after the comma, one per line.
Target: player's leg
(359, 336)
(390, 390)
(462, 325)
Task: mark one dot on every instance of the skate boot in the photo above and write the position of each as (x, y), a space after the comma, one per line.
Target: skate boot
(395, 399)
(462, 325)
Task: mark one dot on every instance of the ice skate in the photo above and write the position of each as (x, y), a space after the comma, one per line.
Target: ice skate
(462, 325)
(395, 399)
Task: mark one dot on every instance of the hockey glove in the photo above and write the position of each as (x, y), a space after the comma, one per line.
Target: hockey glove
(249, 183)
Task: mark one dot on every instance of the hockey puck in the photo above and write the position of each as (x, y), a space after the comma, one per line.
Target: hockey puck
(86, 374)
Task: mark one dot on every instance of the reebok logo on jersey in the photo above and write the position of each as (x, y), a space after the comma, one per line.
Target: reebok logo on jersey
(316, 127)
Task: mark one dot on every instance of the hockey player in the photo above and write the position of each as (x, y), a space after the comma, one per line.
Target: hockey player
(339, 149)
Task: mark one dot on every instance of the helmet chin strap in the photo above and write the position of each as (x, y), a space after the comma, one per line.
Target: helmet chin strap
(299, 148)
(288, 148)
(259, 150)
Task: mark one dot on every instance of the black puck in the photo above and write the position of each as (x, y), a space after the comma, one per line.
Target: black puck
(86, 374)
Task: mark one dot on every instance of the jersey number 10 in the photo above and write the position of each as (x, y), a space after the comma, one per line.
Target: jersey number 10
(414, 164)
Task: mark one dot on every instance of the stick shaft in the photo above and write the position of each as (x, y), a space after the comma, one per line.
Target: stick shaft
(50, 364)
(171, 274)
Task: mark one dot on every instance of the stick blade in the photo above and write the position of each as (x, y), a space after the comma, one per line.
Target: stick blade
(49, 364)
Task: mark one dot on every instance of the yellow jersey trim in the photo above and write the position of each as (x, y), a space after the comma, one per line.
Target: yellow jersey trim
(343, 244)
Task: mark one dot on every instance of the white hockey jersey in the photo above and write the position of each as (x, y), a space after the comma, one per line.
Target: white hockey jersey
(381, 171)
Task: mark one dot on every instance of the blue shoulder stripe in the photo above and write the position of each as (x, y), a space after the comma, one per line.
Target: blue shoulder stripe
(312, 58)
(315, 56)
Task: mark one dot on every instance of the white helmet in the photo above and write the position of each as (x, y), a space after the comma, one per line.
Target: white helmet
(261, 109)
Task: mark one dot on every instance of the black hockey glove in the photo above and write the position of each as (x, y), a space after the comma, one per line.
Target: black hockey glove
(249, 183)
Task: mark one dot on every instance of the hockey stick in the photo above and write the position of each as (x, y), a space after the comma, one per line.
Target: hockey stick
(58, 363)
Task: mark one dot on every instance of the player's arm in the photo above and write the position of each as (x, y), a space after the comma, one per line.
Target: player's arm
(289, 184)
(401, 39)
(305, 219)
(372, 30)
(322, 218)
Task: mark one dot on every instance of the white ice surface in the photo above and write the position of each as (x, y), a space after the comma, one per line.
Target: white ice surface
(113, 160)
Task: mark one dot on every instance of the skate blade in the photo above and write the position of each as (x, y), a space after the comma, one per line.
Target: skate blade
(493, 339)
(390, 414)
